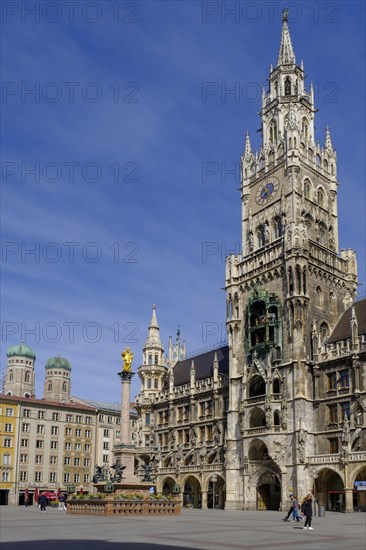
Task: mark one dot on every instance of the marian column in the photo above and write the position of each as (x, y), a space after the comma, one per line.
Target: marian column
(126, 450)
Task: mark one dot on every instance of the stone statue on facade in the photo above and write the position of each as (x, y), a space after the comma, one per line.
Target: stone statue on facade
(301, 440)
(147, 473)
(346, 436)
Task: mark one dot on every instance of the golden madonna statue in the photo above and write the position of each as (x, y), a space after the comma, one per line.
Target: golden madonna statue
(127, 357)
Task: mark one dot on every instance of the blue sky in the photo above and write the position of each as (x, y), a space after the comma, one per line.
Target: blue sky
(118, 133)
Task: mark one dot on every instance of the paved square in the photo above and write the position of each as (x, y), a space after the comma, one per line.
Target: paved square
(26, 528)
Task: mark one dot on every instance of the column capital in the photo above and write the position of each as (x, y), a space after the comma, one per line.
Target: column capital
(126, 376)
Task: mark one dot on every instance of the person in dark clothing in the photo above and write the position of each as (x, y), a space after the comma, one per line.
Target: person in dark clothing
(307, 511)
(291, 509)
(42, 501)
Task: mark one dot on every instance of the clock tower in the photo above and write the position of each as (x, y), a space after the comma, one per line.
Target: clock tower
(286, 291)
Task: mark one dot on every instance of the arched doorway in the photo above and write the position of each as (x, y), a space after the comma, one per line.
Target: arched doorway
(268, 491)
(330, 488)
(192, 494)
(167, 486)
(359, 495)
(220, 493)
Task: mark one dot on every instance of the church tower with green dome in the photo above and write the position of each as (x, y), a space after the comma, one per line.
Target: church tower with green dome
(57, 383)
(19, 377)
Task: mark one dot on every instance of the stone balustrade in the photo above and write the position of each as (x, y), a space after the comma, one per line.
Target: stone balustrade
(124, 507)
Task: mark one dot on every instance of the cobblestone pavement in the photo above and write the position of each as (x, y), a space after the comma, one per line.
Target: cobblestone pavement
(26, 528)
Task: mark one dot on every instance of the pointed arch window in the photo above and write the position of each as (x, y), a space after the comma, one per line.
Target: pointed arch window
(305, 129)
(276, 418)
(156, 359)
(318, 160)
(27, 377)
(49, 387)
(324, 331)
(64, 387)
(288, 86)
(261, 235)
(332, 302)
(277, 227)
(320, 197)
(307, 188)
(273, 133)
(304, 282)
(290, 281)
(11, 376)
(149, 359)
(319, 296)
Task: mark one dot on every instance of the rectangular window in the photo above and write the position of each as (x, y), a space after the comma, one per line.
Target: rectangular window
(54, 430)
(55, 416)
(147, 419)
(333, 414)
(105, 458)
(67, 446)
(40, 429)
(333, 445)
(66, 478)
(88, 433)
(7, 442)
(39, 443)
(87, 448)
(147, 440)
(38, 459)
(40, 415)
(37, 476)
(67, 461)
(5, 476)
(77, 446)
(344, 380)
(54, 445)
(53, 477)
(110, 419)
(68, 432)
(24, 459)
(23, 476)
(106, 433)
(9, 412)
(78, 419)
(76, 461)
(8, 427)
(26, 413)
(69, 418)
(25, 427)
(53, 459)
(88, 420)
(101, 418)
(332, 381)
(149, 383)
(76, 478)
(118, 434)
(106, 445)
(77, 432)
(87, 462)
(24, 442)
(86, 478)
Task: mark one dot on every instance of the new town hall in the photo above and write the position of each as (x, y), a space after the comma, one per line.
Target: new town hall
(282, 407)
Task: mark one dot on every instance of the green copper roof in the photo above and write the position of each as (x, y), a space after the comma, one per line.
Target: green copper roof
(58, 363)
(22, 350)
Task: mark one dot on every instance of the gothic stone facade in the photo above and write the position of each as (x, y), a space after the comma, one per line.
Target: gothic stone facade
(295, 418)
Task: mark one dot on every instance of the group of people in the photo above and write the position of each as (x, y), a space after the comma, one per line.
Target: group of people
(43, 501)
(306, 509)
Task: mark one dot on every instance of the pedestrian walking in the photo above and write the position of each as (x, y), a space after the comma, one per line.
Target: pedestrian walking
(295, 510)
(42, 501)
(307, 511)
(291, 509)
(61, 503)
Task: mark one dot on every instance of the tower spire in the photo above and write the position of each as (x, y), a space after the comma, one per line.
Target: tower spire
(286, 55)
(248, 148)
(153, 337)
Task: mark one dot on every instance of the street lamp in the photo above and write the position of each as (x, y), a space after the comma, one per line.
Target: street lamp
(213, 479)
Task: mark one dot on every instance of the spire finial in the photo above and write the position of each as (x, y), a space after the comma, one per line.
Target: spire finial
(286, 55)
(328, 140)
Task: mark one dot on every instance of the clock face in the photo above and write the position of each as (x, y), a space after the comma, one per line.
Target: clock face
(267, 191)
